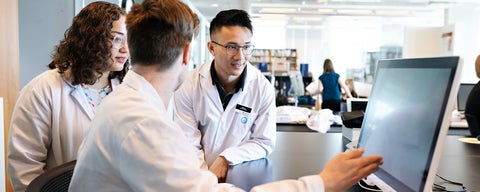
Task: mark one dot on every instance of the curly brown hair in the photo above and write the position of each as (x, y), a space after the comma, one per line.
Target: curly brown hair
(85, 49)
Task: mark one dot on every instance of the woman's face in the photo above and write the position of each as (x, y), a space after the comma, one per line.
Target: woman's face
(119, 50)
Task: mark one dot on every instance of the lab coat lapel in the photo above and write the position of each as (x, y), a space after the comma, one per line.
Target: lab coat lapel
(79, 95)
(240, 95)
(207, 84)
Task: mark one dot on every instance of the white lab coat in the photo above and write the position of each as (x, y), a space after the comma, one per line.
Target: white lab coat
(238, 136)
(134, 146)
(48, 124)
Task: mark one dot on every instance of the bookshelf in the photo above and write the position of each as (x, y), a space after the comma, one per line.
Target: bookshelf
(282, 59)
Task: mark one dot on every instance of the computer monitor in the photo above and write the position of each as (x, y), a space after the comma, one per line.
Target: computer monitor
(406, 120)
(462, 96)
(363, 89)
(297, 88)
(356, 104)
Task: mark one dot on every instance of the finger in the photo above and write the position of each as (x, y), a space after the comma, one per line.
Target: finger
(355, 153)
(367, 170)
(372, 159)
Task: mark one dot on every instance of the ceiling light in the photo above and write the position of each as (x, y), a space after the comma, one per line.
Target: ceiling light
(271, 16)
(277, 10)
(307, 19)
(326, 11)
(393, 12)
(214, 5)
(354, 11)
(299, 26)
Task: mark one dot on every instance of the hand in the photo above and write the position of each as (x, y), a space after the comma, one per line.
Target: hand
(346, 169)
(219, 167)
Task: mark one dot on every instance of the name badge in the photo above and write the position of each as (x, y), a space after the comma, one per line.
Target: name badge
(242, 108)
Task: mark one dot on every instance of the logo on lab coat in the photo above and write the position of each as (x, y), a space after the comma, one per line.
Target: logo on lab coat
(244, 120)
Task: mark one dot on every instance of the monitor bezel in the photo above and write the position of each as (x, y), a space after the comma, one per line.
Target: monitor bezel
(451, 92)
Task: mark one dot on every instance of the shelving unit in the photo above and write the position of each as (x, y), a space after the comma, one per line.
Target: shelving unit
(283, 59)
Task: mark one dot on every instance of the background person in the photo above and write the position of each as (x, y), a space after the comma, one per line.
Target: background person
(227, 106)
(53, 110)
(134, 146)
(472, 106)
(330, 86)
(350, 85)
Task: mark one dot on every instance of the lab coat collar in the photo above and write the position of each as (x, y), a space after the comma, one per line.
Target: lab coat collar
(79, 94)
(204, 71)
(240, 84)
(140, 84)
(207, 83)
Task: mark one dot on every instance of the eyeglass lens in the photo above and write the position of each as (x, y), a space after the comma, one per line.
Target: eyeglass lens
(246, 49)
(118, 41)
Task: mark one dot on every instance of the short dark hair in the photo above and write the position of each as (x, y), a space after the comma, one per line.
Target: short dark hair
(158, 30)
(232, 17)
(85, 49)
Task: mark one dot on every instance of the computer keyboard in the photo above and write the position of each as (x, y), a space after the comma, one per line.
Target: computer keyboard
(462, 123)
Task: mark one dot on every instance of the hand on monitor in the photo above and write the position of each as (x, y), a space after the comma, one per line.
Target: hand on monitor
(346, 169)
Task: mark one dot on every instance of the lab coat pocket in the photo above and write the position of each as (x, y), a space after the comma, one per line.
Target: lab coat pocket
(243, 123)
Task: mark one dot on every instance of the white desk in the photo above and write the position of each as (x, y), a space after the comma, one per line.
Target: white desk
(458, 120)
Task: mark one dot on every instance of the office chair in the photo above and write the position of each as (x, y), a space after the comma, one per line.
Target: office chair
(54, 180)
(473, 125)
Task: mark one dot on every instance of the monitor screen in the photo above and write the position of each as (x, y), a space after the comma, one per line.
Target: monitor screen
(297, 87)
(405, 120)
(463, 92)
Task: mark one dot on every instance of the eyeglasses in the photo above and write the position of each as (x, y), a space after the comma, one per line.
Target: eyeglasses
(233, 49)
(118, 41)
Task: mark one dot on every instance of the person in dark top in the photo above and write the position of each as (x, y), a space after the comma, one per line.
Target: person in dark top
(330, 85)
(472, 107)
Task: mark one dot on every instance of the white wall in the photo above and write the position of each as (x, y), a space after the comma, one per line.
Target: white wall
(41, 26)
(422, 42)
(466, 38)
(345, 45)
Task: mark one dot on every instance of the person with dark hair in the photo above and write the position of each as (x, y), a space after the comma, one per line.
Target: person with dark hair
(330, 85)
(472, 106)
(54, 109)
(133, 145)
(227, 106)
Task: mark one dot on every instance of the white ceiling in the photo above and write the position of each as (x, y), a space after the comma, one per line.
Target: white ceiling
(315, 11)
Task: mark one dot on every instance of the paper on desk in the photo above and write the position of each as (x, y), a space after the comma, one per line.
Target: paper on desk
(470, 140)
(322, 120)
(312, 88)
(292, 114)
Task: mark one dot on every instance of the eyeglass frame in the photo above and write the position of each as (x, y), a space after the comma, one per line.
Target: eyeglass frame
(118, 40)
(235, 48)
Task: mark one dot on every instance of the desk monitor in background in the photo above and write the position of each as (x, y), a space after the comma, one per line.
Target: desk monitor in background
(356, 104)
(406, 120)
(363, 89)
(462, 96)
(297, 87)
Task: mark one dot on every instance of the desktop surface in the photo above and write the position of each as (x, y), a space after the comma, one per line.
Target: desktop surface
(305, 153)
(458, 120)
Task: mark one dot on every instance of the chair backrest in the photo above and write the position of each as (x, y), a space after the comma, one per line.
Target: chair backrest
(54, 180)
(473, 124)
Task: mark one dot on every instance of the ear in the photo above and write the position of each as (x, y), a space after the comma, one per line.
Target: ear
(210, 48)
(186, 54)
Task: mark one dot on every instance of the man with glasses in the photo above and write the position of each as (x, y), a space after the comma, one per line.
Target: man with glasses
(227, 107)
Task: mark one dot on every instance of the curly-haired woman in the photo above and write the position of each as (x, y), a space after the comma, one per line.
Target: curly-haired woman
(54, 110)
